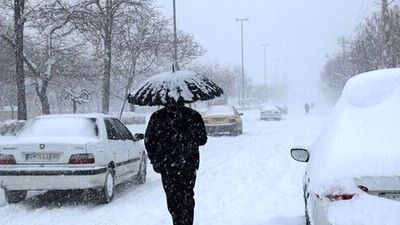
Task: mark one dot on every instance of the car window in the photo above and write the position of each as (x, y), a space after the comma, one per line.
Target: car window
(112, 132)
(121, 128)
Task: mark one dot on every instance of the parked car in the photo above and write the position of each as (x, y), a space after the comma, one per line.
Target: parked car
(270, 112)
(223, 119)
(352, 176)
(64, 152)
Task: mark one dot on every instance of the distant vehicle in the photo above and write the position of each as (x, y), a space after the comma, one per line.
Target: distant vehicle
(64, 152)
(223, 119)
(353, 168)
(270, 112)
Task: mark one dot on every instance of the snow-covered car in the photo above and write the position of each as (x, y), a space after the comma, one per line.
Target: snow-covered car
(64, 152)
(270, 112)
(223, 119)
(353, 173)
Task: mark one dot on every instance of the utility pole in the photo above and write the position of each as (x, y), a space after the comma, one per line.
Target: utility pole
(241, 20)
(175, 39)
(265, 64)
(265, 71)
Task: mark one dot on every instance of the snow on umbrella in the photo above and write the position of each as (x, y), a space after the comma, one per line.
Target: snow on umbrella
(173, 87)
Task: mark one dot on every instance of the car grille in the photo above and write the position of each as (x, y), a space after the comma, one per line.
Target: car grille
(218, 119)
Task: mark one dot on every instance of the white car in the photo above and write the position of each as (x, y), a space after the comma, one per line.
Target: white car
(64, 152)
(270, 112)
(353, 172)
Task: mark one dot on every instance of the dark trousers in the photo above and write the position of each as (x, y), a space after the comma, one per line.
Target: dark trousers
(178, 187)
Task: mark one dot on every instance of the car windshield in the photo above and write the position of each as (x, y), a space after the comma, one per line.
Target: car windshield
(269, 108)
(220, 110)
(60, 127)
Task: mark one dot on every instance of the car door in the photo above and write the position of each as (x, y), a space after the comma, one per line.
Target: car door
(132, 147)
(116, 144)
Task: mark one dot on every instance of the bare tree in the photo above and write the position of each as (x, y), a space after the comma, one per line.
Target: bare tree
(138, 46)
(77, 97)
(99, 18)
(188, 48)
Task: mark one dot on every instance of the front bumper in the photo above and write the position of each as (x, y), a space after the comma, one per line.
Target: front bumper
(221, 128)
(270, 116)
(51, 177)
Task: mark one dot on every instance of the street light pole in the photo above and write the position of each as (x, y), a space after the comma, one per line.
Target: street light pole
(265, 63)
(241, 20)
(265, 70)
(175, 38)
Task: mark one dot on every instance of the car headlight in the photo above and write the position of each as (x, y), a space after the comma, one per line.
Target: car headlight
(232, 120)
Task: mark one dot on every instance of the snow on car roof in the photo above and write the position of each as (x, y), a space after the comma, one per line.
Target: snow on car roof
(86, 115)
(219, 110)
(362, 135)
(60, 127)
(269, 108)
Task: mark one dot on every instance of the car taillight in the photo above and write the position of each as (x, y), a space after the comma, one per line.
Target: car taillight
(82, 159)
(7, 159)
(339, 197)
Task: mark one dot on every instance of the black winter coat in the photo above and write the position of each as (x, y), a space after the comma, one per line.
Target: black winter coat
(173, 137)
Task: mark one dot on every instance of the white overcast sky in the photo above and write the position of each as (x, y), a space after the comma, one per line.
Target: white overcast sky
(300, 33)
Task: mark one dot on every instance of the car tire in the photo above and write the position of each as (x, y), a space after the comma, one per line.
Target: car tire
(106, 194)
(140, 178)
(234, 133)
(13, 197)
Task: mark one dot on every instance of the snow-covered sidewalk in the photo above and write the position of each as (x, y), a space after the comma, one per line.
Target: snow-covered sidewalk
(244, 180)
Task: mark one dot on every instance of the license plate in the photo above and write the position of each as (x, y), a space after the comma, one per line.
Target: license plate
(35, 157)
(393, 196)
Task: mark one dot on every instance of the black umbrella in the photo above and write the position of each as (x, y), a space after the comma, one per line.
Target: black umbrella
(173, 87)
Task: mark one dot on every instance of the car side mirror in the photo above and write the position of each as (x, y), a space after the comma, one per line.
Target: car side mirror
(300, 155)
(138, 137)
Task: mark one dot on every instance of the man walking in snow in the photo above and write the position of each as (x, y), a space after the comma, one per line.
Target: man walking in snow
(172, 141)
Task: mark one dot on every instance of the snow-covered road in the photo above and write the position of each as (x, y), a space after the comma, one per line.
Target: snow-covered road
(244, 180)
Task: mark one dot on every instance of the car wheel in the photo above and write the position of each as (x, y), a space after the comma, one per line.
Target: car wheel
(13, 197)
(140, 178)
(107, 192)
